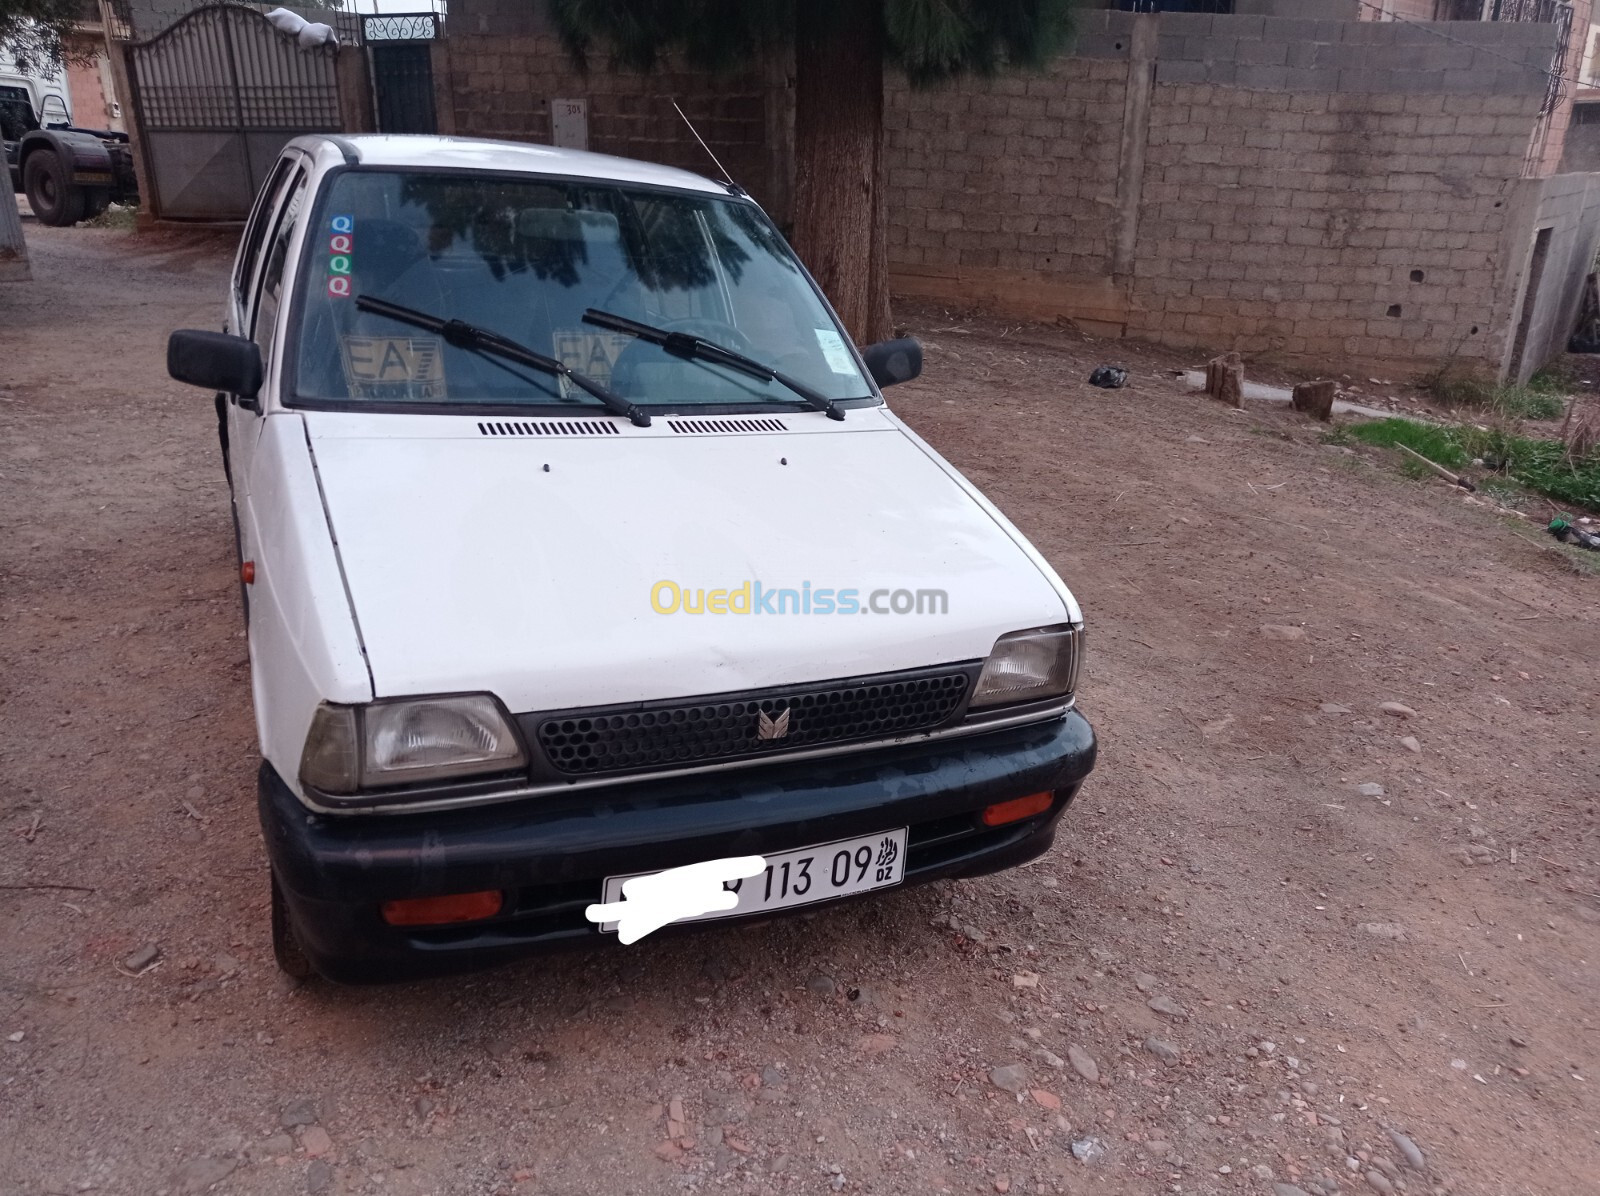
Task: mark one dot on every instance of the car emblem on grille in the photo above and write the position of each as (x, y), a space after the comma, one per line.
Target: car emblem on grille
(772, 728)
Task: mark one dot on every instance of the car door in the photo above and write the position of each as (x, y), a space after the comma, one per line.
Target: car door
(258, 316)
(255, 313)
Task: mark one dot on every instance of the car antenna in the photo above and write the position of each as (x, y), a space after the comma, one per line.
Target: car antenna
(726, 177)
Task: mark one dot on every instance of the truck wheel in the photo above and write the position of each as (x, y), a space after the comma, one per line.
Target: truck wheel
(54, 199)
(285, 946)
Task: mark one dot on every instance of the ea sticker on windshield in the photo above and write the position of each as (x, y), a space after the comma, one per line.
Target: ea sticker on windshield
(341, 250)
(838, 357)
(589, 352)
(396, 368)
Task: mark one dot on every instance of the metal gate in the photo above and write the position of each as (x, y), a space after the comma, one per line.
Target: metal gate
(402, 69)
(215, 98)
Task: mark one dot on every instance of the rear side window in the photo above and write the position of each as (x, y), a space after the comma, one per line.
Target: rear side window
(276, 251)
(256, 233)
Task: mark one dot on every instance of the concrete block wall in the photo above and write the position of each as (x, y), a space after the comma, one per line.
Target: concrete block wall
(500, 85)
(1010, 184)
(1303, 187)
(1568, 206)
(1326, 224)
(1354, 57)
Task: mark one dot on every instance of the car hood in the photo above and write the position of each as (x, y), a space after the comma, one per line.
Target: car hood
(524, 564)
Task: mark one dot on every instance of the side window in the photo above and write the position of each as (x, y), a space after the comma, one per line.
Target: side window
(269, 287)
(257, 230)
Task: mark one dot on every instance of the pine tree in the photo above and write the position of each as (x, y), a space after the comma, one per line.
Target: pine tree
(841, 48)
(33, 33)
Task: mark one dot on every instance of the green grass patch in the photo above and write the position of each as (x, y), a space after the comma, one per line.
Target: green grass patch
(1538, 465)
(1528, 402)
(1435, 443)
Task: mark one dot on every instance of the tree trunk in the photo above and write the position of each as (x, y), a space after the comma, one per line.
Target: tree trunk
(13, 249)
(838, 148)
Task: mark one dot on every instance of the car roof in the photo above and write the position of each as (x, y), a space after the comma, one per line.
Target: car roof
(472, 153)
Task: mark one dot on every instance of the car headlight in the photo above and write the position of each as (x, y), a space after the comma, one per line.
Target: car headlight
(350, 749)
(1027, 666)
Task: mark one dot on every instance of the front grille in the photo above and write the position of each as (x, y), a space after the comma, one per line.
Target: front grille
(732, 726)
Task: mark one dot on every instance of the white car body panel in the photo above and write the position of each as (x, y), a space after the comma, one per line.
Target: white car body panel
(304, 647)
(472, 568)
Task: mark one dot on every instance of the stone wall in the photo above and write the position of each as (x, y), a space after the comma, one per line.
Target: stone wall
(501, 86)
(503, 64)
(1305, 188)
(1288, 182)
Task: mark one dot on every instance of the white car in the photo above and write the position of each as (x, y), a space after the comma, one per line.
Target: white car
(577, 543)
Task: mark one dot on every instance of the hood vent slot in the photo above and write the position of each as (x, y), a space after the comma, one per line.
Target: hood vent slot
(761, 423)
(548, 427)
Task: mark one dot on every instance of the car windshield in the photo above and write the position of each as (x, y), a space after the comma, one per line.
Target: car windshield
(526, 258)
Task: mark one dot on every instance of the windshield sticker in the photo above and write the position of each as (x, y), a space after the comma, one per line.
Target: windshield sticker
(838, 357)
(591, 353)
(341, 245)
(396, 368)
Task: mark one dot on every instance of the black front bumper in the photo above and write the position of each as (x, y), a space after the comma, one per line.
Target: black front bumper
(550, 854)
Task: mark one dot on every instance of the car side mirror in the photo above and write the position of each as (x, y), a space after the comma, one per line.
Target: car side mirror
(216, 361)
(893, 361)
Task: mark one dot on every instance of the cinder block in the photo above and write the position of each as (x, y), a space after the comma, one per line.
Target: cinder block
(1263, 53)
(1188, 24)
(1100, 46)
(1236, 25)
(1175, 71)
(1262, 78)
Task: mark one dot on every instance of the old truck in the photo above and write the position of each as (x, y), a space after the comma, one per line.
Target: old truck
(68, 174)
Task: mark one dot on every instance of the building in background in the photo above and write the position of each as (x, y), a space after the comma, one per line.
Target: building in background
(1317, 182)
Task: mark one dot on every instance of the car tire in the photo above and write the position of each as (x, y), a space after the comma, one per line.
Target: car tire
(55, 201)
(286, 949)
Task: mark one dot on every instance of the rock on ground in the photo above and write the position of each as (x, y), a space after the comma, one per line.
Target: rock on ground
(1408, 1150)
(1083, 1063)
(1013, 1077)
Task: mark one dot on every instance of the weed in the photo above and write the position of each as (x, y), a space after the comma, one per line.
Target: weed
(115, 216)
(1529, 402)
(1539, 465)
(1542, 397)
(1435, 443)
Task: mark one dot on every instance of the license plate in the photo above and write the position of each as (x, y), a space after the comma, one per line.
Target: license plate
(801, 877)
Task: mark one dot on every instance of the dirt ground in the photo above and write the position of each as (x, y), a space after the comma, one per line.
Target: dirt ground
(1334, 962)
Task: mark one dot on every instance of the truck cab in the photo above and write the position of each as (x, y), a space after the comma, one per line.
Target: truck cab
(68, 174)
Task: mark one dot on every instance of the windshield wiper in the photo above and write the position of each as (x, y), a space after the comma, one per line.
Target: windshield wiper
(471, 337)
(694, 348)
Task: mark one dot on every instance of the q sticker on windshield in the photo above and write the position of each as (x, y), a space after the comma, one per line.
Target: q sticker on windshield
(396, 368)
(341, 248)
(833, 350)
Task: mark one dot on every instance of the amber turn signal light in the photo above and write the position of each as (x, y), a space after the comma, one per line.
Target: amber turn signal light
(1017, 809)
(439, 911)
(247, 573)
